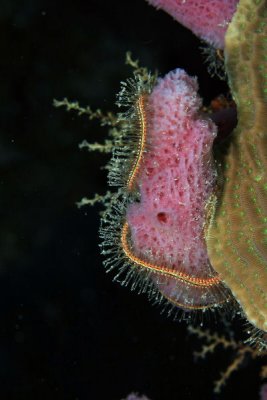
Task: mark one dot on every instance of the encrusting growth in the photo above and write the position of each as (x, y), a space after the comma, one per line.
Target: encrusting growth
(237, 236)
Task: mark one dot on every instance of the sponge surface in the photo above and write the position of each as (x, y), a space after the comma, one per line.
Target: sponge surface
(177, 179)
(208, 19)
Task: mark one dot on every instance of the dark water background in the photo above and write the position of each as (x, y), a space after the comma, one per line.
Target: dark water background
(66, 331)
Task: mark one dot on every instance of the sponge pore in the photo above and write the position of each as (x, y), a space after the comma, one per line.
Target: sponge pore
(177, 179)
(208, 19)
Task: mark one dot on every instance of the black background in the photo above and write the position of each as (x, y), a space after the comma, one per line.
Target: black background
(67, 331)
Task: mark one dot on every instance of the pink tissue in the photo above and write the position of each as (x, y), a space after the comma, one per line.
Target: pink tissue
(176, 181)
(208, 19)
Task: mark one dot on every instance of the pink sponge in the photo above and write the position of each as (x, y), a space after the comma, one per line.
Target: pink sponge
(208, 19)
(176, 181)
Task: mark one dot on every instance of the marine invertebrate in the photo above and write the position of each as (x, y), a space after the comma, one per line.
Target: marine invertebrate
(235, 232)
(170, 205)
(131, 142)
(208, 19)
(236, 239)
(158, 230)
